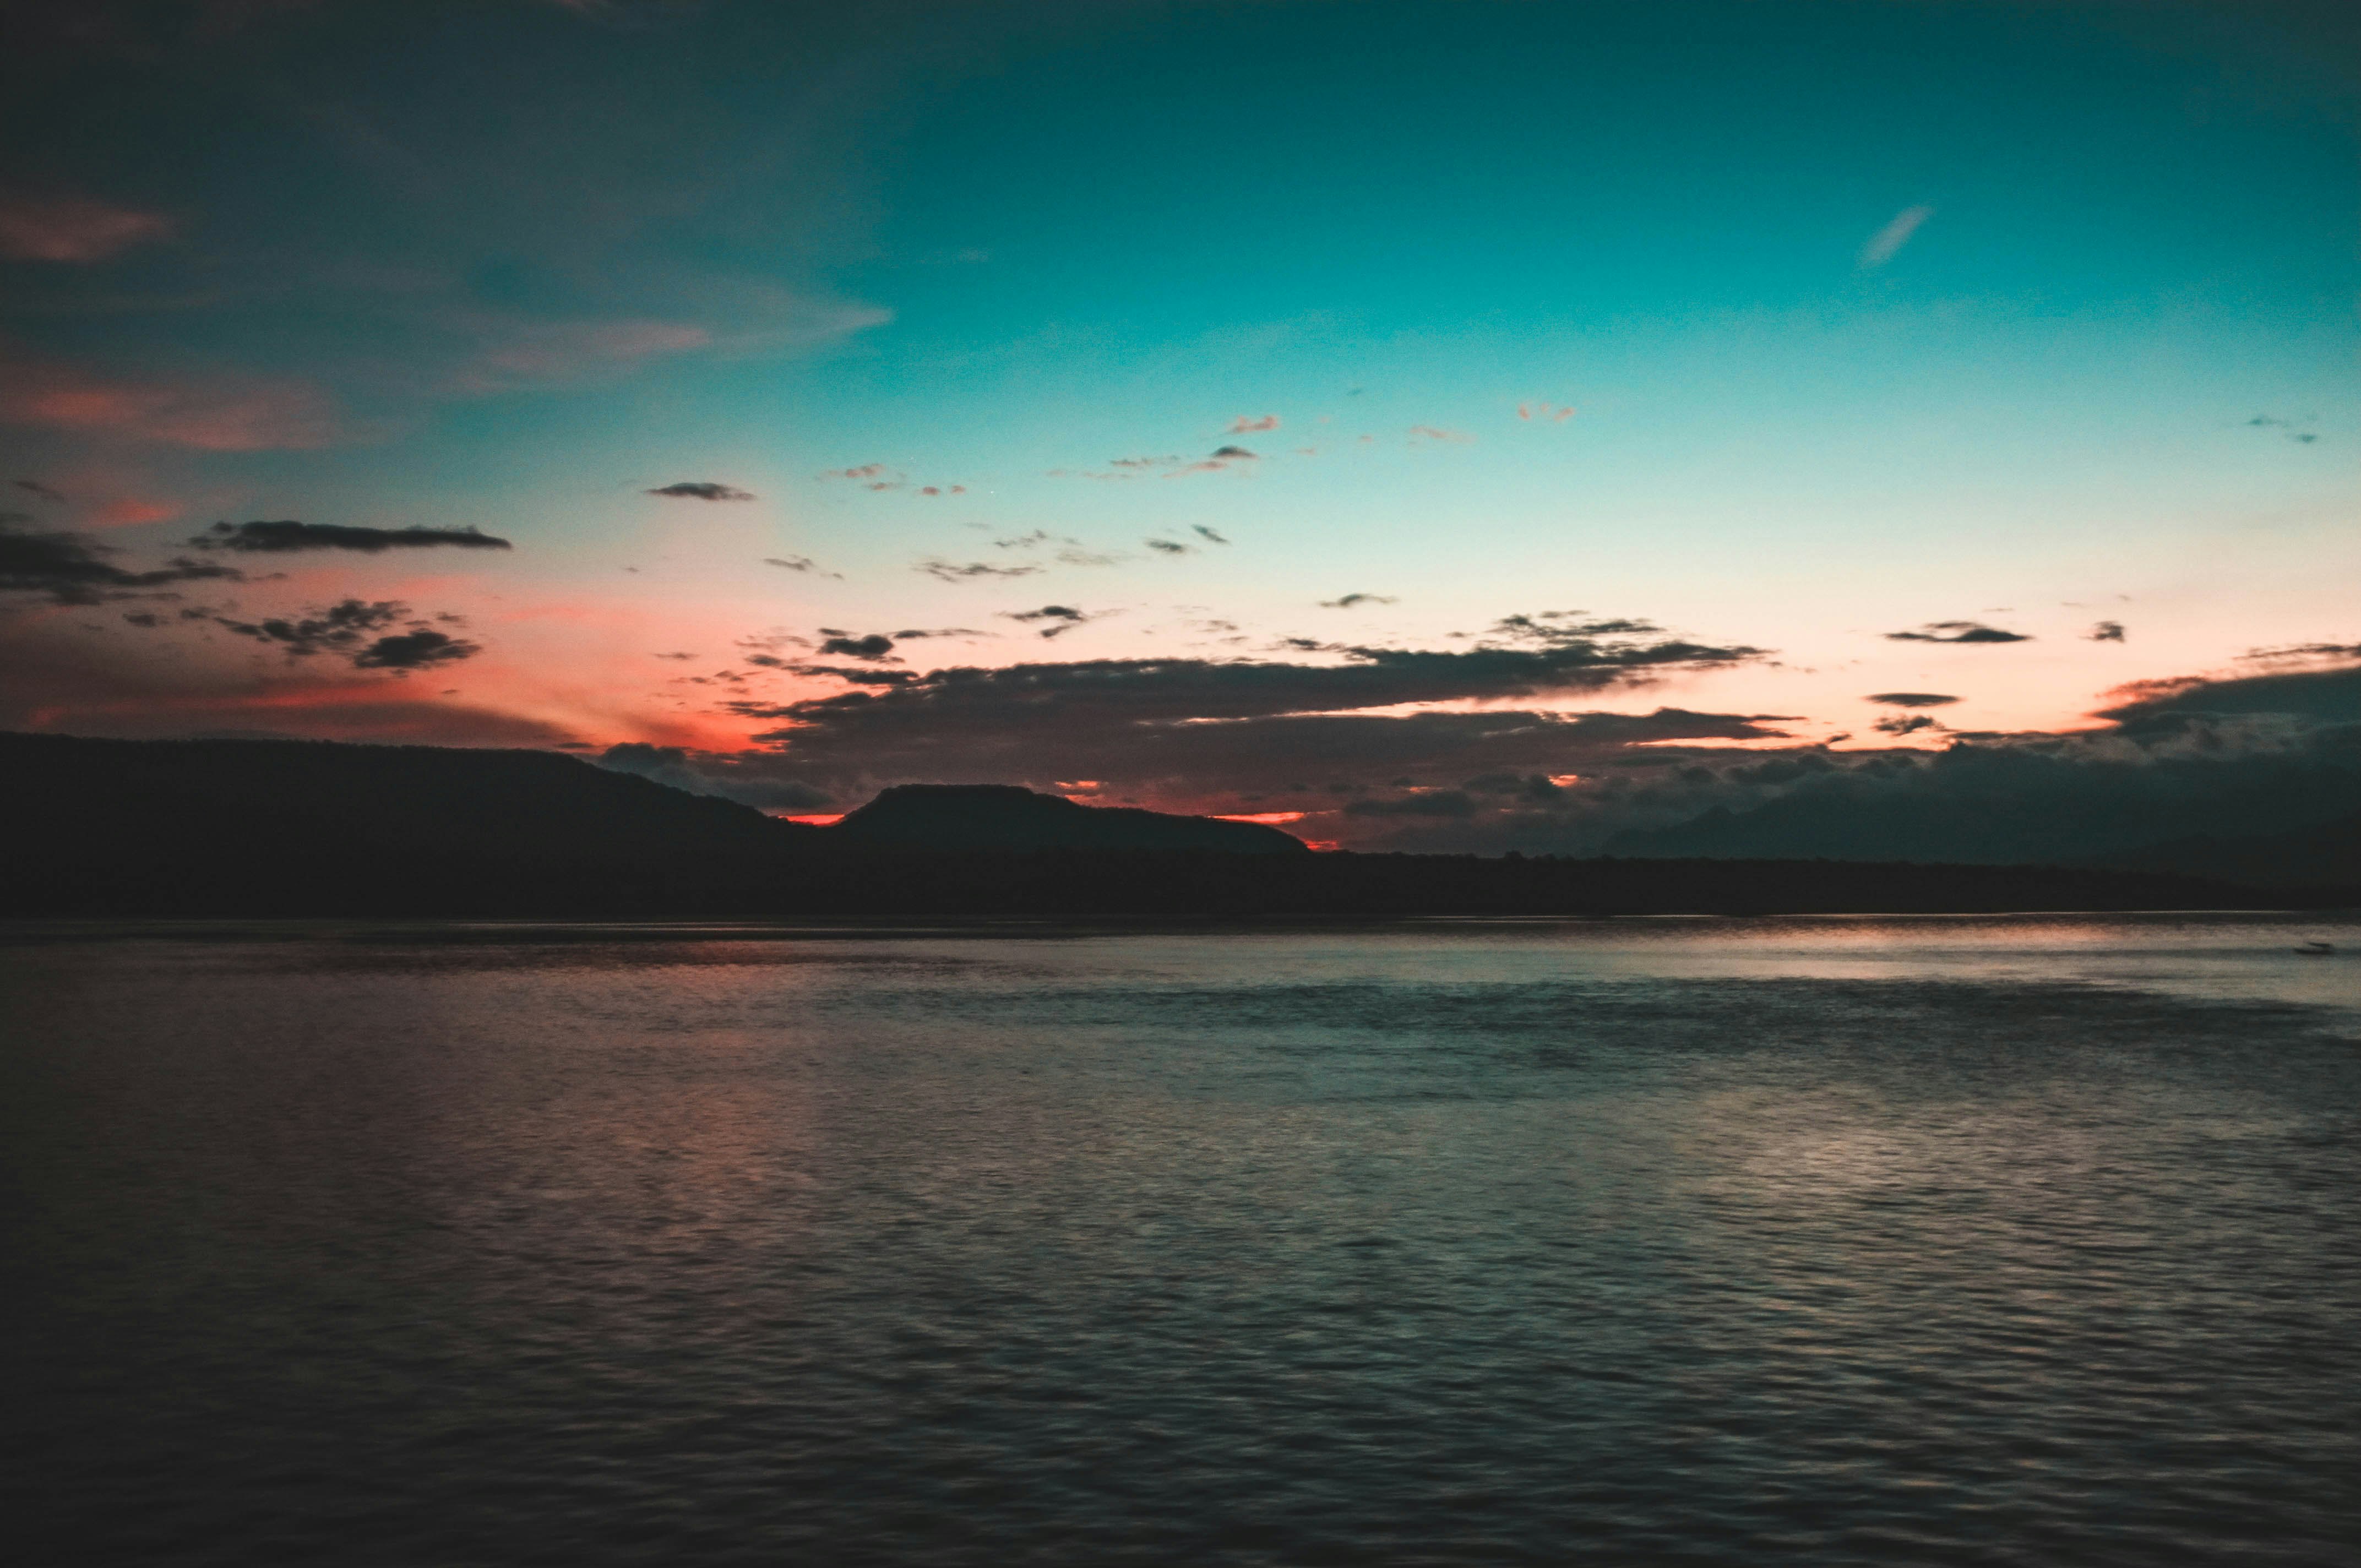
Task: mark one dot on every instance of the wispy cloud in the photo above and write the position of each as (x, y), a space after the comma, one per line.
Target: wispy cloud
(968, 571)
(1429, 434)
(1956, 631)
(800, 564)
(229, 413)
(1245, 425)
(1554, 413)
(702, 491)
(1887, 242)
(2271, 422)
(1220, 458)
(1354, 601)
(515, 355)
(74, 229)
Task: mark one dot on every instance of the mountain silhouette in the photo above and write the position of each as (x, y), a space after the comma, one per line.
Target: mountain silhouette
(1005, 817)
(312, 829)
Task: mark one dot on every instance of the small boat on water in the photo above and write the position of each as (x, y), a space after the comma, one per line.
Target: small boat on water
(2314, 950)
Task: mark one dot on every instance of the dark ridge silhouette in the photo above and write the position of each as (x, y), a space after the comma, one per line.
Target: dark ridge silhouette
(962, 817)
(293, 829)
(2071, 817)
(2329, 854)
(196, 826)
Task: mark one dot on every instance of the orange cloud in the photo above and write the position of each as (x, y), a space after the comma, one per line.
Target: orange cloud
(74, 228)
(132, 511)
(231, 414)
(521, 355)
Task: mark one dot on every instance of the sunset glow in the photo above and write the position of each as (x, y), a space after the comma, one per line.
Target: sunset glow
(1554, 481)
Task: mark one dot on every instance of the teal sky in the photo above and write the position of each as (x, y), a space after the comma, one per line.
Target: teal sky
(1869, 316)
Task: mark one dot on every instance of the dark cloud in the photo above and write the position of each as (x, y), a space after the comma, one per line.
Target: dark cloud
(1208, 730)
(2330, 695)
(35, 486)
(1552, 627)
(800, 564)
(2185, 758)
(873, 647)
(1166, 546)
(1065, 617)
(962, 572)
(1233, 454)
(1956, 631)
(1207, 534)
(1352, 601)
(702, 491)
(1428, 803)
(70, 569)
(281, 538)
(1071, 551)
(1911, 699)
(1900, 724)
(2304, 653)
(1211, 765)
(1535, 789)
(1164, 690)
(416, 650)
(2105, 632)
(342, 627)
(2024, 798)
(850, 675)
(2267, 422)
(352, 629)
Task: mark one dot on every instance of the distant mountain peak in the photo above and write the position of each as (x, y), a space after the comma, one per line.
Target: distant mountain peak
(1011, 818)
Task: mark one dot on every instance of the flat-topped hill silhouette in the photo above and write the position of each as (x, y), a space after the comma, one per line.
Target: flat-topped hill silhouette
(961, 817)
(292, 828)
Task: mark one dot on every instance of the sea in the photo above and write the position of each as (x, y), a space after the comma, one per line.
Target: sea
(1965, 1240)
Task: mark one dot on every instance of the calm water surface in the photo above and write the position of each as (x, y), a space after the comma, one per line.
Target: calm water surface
(1996, 1241)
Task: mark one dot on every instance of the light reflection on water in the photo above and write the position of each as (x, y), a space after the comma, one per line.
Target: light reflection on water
(1877, 1240)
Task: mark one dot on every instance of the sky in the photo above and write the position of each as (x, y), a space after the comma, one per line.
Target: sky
(1437, 426)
